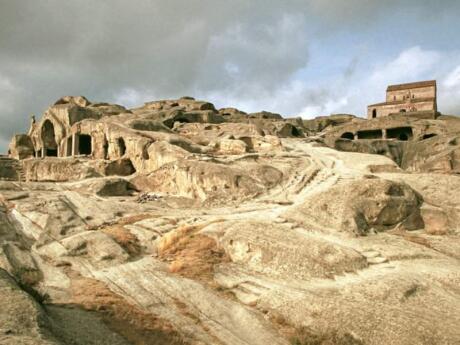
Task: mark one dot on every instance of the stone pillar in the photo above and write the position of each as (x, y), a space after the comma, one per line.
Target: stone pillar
(356, 136)
(384, 133)
(74, 145)
(43, 152)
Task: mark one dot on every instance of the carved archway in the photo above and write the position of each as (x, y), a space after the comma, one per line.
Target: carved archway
(48, 137)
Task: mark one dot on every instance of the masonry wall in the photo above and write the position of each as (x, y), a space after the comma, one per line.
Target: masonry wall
(416, 93)
(387, 109)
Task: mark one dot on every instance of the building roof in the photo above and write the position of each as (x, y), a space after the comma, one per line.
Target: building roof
(415, 85)
(410, 101)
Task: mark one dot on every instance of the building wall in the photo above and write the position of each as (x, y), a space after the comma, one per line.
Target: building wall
(417, 93)
(387, 109)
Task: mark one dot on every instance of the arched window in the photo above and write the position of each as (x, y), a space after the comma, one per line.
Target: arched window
(374, 113)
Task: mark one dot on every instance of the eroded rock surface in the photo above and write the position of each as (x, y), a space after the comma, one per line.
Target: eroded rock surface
(208, 226)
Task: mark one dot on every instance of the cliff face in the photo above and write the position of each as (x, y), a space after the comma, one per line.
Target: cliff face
(415, 144)
(227, 228)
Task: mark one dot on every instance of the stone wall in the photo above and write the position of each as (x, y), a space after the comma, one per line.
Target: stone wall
(408, 107)
(416, 93)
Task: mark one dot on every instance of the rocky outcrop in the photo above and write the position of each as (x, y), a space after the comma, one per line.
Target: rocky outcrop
(263, 248)
(320, 123)
(10, 169)
(22, 319)
(21, 147)
(202, 181)
(176, 223)
(111, 186)
(365, 206)
(414, 144)
(58, 169)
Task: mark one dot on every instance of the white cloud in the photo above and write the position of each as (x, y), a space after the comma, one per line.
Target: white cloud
(131, 98)
(330, 107)
(411, 64)
(452, 79)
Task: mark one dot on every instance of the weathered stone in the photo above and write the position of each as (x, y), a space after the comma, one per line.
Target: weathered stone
(364, 206)
(228, 225)
(21, 147)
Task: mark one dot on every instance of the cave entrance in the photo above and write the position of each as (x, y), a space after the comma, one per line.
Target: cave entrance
(370, 134)
(347, 135)
(84, 144)
(295, 132)
(428, 136)
(49, 139)
(400, 133)
(121, 146)
(51, 152)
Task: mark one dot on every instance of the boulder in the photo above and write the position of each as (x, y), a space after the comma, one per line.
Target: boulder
(77, 100)
(21, 147)
(363, 207)
(111, 186)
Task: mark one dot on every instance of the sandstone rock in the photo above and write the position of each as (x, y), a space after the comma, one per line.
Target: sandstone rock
(54, 169)
(236, 224)
(199, 180)
(233, 115)
(121, 167)
(22, 320)
(105, 187)
(320, 123)
(10, 169)
(78, 100)
(148, 125)
(415, 144)
(435, 220)
(265, 115)
(364, 206)
(230, 146)
(19, 263)
(277, 251)
(21, 147)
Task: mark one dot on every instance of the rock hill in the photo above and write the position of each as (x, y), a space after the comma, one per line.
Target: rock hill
(178, 223)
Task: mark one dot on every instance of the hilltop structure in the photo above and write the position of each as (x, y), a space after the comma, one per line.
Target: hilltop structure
(418, 97)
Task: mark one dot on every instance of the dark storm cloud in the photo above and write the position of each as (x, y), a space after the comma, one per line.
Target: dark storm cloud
(50, 48)
(165, 48)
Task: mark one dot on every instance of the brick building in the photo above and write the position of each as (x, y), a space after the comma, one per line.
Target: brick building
(419, 97)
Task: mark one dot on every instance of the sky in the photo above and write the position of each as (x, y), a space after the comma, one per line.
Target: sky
(297, 58)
